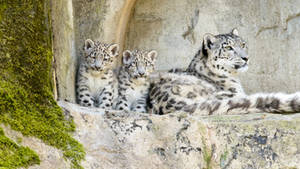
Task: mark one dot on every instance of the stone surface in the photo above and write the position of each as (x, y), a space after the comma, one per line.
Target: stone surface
(64, 49)
(118, 140)
(176, 141)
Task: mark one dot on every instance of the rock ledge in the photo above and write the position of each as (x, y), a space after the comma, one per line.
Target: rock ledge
(180, 141)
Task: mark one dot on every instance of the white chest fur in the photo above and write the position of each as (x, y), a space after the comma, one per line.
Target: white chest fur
(97, 81)
(138, 89)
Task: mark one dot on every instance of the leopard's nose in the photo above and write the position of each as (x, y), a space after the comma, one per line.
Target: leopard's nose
(245, 59)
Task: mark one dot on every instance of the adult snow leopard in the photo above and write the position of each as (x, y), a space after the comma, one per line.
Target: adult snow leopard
(210, 85)
(134, 80)
(96, 84)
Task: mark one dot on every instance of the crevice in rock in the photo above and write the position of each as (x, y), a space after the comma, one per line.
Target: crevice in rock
(289, 18)
(123, 23)
(189, 34)
(262, 29)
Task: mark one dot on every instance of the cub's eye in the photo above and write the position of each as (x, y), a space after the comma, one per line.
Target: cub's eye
(243, 45)
(228, 48)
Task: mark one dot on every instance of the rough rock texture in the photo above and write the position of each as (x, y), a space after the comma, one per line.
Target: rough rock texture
(180, 141)
(64, 49)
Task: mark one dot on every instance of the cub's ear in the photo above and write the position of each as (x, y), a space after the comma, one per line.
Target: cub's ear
(127, 57)
(209, 40)
(235, 32)
(88, 44)
(152, 55)
(114, 49)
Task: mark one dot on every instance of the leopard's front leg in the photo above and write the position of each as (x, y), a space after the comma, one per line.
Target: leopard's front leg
(106, 98)
(84, 96)
(140, 105)
(123, 103)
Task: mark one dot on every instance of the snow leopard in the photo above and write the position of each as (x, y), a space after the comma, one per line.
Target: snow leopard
(134, 80)
(96, 81)
(211, 86)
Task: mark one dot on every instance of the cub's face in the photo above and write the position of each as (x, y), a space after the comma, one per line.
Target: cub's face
(227, 53)
(139, 63)
(99, 56)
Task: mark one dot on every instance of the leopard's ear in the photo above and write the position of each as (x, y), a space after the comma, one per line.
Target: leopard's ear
(209, 40)
(114, 49)
(88, 47)
(235, 32)
(152, 55)
(88, 44)
(127, 57)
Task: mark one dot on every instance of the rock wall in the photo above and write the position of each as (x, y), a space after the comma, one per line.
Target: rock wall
(78, 20)
(181, 141)
(64, 49)
(272, 28)
(175, 29)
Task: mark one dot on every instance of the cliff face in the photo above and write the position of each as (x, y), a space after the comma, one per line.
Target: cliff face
(175, 29)
(38, 131)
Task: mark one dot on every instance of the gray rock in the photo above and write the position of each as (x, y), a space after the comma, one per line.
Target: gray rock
(118, 140)
(181, 141)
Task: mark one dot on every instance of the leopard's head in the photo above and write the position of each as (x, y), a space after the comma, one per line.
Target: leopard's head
(226, 53)
(139, 63)
(99, 56)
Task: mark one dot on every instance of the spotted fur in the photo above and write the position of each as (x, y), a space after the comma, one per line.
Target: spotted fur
(96, 84)
(210, 85)
(134, 80)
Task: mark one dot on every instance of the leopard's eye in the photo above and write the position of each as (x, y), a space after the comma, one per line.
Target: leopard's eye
(228, 48)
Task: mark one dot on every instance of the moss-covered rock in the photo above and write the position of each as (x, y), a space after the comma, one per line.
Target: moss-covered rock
(26, 101)
(12, 155)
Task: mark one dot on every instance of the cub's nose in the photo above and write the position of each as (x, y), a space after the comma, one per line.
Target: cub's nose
(142, 73)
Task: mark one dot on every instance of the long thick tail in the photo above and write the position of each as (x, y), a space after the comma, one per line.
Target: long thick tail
(257, 103)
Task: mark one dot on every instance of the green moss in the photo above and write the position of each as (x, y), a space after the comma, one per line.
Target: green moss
(207, 155)
(26, 99)
(13, 155)
(207, 151)
(223, 159)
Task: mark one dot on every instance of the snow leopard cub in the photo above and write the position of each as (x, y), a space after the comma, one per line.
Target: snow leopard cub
(211, 86)
(134, 80)
(96, 82)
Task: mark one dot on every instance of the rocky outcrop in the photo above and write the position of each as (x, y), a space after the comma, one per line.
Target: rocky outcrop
(175, 29)
(181, 141)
